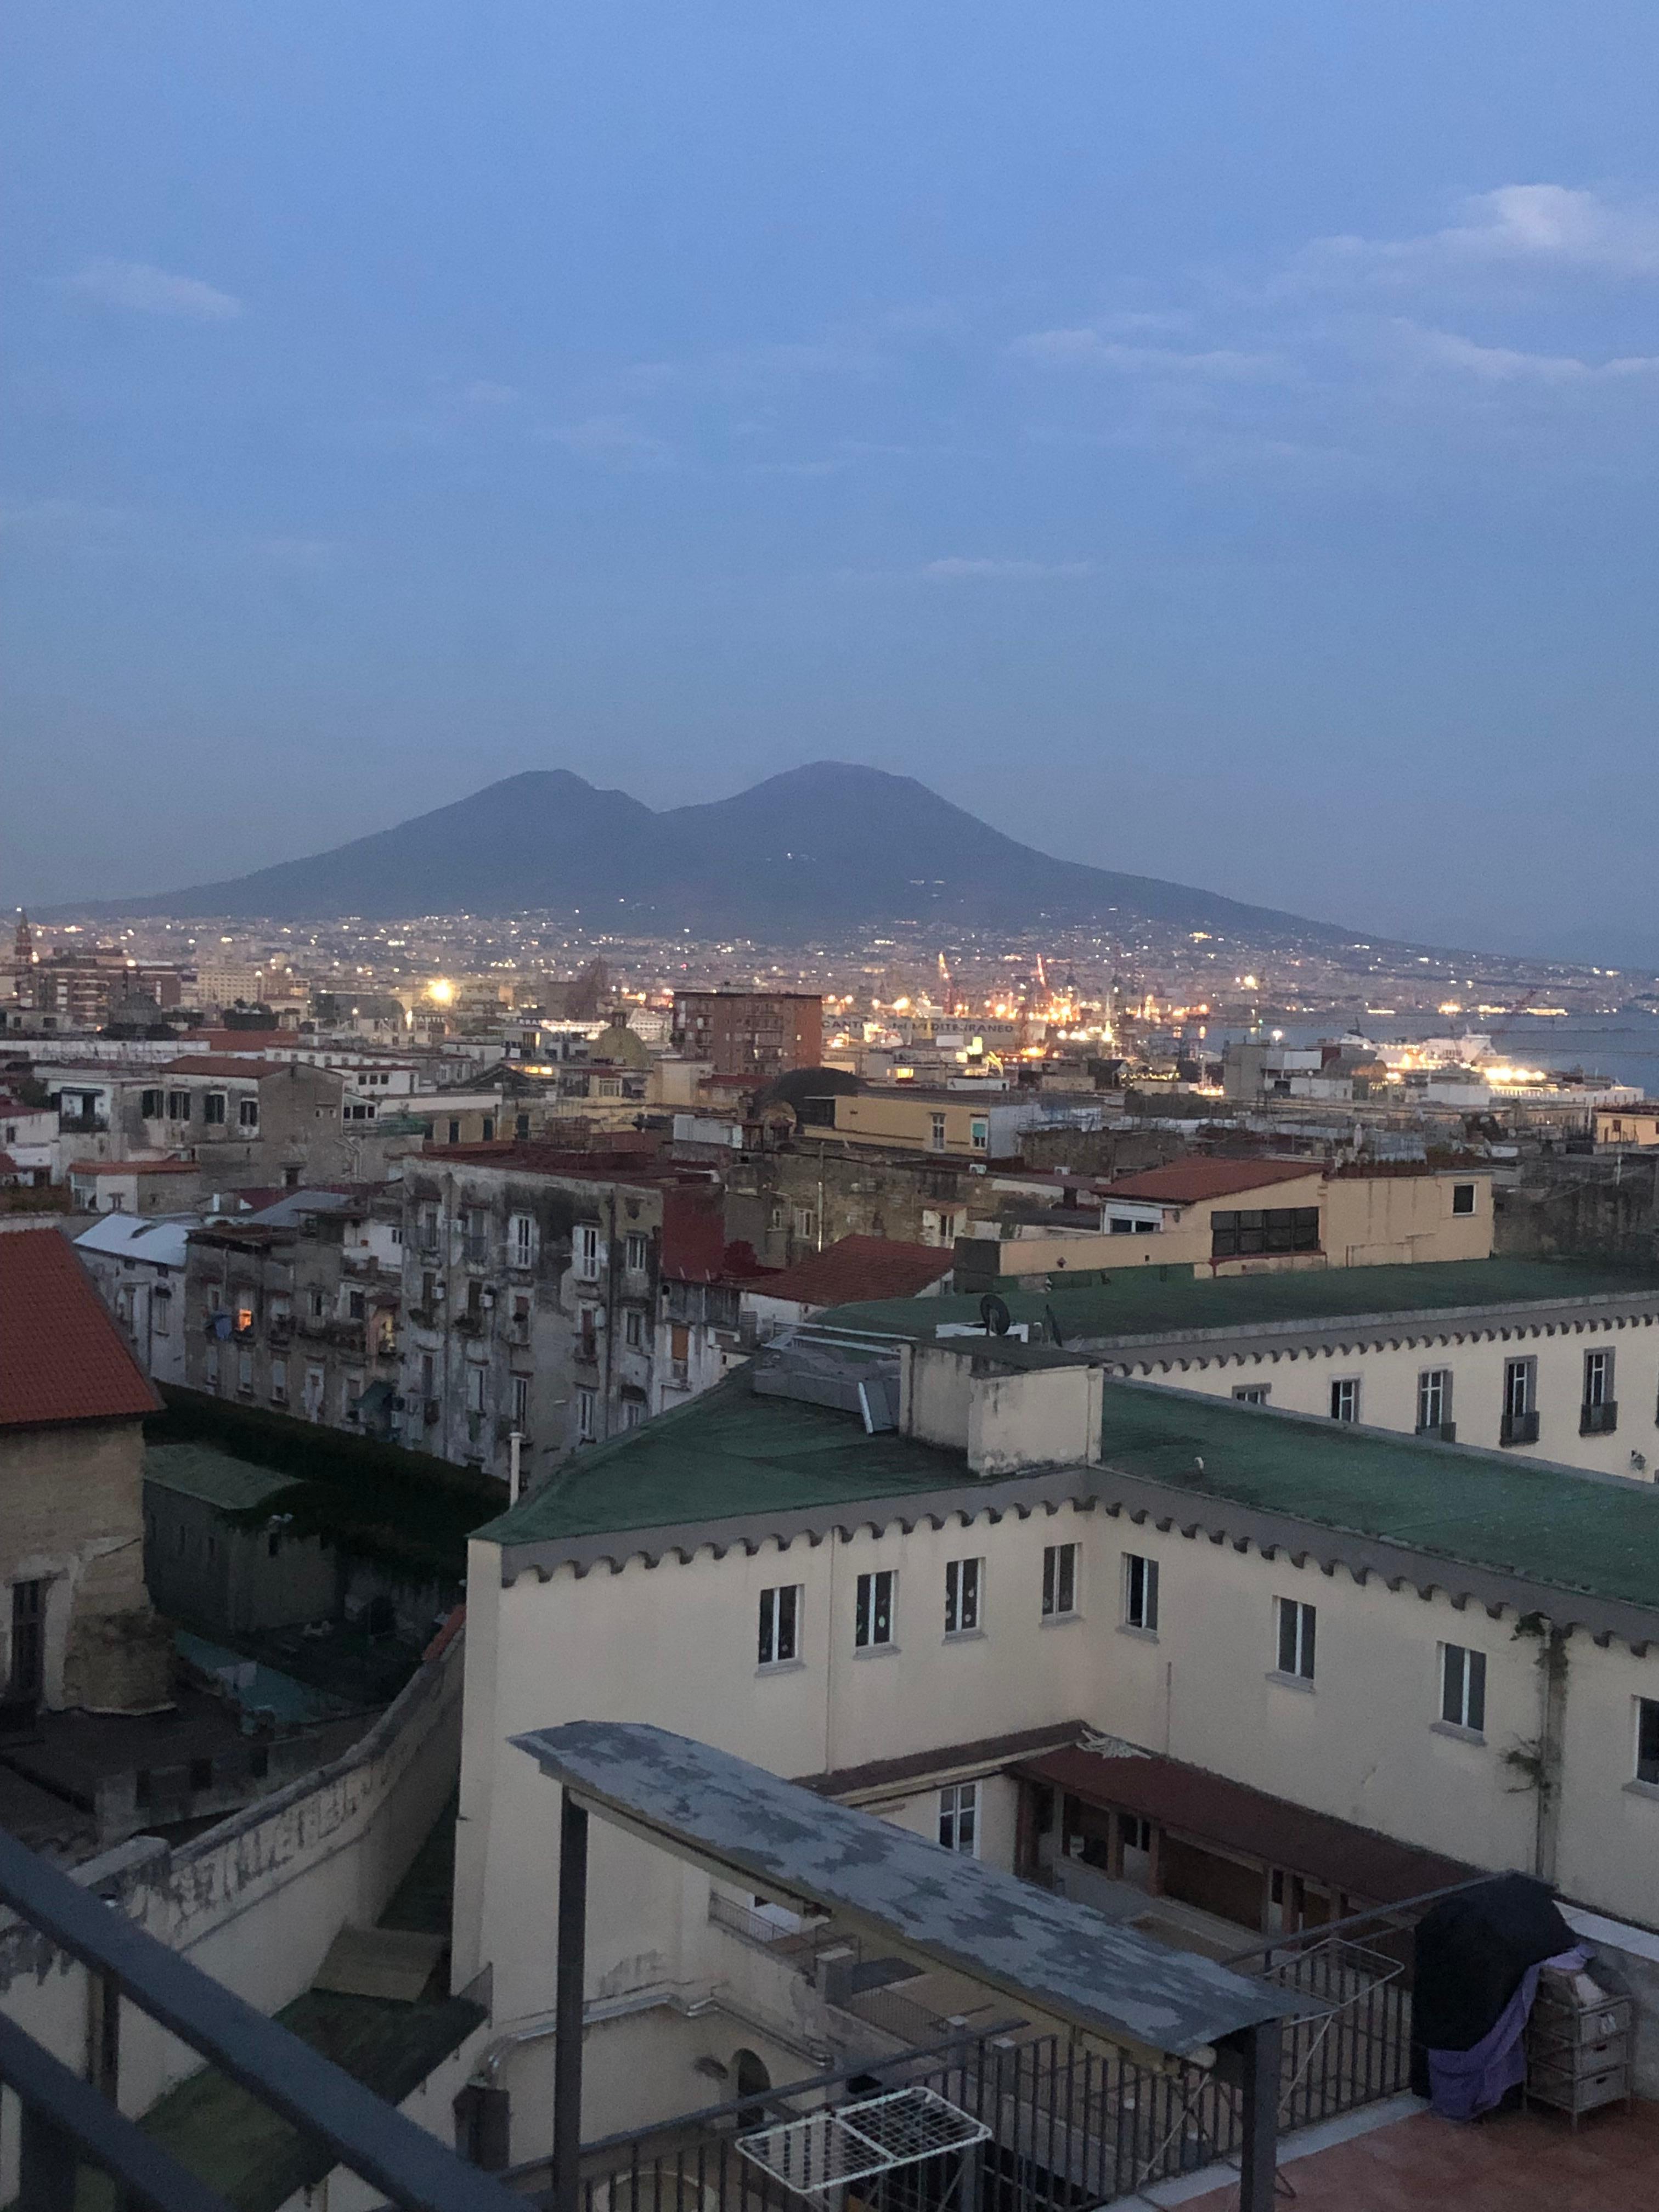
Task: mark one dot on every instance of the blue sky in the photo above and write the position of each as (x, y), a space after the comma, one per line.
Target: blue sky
(1213, 441)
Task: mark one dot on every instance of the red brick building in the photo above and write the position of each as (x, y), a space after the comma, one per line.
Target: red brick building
(757, 1034)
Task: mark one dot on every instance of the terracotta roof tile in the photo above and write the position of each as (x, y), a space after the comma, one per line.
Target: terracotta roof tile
(64, 1360)
(1184, 1183)
(859, 1267)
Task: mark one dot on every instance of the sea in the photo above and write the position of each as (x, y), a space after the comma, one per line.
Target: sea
(1622, 1046)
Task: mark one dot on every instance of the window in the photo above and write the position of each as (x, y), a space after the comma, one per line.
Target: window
(1059, 1581)
(634, 1328)
(429, 1374)
(454, 1131)
(780, 1625)
(1463, 1687)
(1434, 1398)
(521, 1240)
(27, 1678)
(587, 1403)
(212, 1367)
(936, 1133)
(1345, 1398)
(279, 1381)
(247, 1113)
(633, 1413)
(1296, 1638)
(872, 1614)
(150, 1105)
(475, 1389)
(178, 1105)
(160, 1311)
(356, 1305)
(1272, 1228)
(979, 1135)
(1462, 1198)
(1647, 1741)
(429, 1231)
(587, 1251)
(1252, 1393)
(959, 1818)
(639, 1252)
(1140, 1593)
(213, 1107)
(477, 1235)
(1600, 1410)
(587, 1333)
(245, 1371)
(775, 1218)
(1520, 1420)
(806, 1223)
(961, 1585)
(520, 1401)
(488, 1126)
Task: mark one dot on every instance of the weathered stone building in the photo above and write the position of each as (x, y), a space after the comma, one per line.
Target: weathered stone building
(78, 1628)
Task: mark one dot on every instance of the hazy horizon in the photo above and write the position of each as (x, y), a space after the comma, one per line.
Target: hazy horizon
(1216, 448)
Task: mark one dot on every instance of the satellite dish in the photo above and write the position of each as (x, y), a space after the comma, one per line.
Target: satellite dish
(993, 1314)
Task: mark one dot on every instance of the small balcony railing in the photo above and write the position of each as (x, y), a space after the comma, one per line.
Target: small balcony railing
(1518, 1429)
(1599, 1420)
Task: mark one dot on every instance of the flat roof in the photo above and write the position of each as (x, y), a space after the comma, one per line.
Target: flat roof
(1154, 1299)
(235, 1486)
(752, 1827)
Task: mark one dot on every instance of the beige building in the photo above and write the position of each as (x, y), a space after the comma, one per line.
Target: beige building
(1635, 1125)
(78, 1628)
(1307, 1669)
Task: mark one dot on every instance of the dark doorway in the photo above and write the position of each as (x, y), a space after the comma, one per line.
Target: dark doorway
(26, 1679)
(752, 2080)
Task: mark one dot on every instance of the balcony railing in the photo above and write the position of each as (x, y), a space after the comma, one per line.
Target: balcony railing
(68, 2123)
(1599, 1420)
(1518, 1429)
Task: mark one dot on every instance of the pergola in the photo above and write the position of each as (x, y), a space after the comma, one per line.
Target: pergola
(748, 1828)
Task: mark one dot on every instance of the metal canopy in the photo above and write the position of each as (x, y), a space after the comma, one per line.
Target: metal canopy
(748, 1827)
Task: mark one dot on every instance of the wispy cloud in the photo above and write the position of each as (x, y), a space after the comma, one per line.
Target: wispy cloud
(1531, 228)
(1088, 347)
(150, 291)
(1507, 365)
(612, 440)
(956, 569)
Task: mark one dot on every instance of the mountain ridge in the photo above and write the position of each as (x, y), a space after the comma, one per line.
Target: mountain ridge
(806, 853)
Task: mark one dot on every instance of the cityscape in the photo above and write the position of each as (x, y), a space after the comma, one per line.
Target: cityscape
(783, 1428)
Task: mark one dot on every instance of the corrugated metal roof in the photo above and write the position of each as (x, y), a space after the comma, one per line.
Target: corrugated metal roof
(941, 1906)
(235, 1486)
(62, 1358)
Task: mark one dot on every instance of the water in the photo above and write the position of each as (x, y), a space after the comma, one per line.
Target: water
(1624, 1046)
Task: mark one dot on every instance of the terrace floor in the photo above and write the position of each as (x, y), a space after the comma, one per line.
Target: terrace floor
(1508, 2162)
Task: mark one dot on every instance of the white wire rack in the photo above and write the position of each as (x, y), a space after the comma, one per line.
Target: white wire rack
(844, 2143)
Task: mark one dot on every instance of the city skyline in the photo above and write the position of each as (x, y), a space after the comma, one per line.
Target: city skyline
(1208, 448)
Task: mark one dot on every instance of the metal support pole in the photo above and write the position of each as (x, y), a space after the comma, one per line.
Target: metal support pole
(567, 2006)
(1260, 2161)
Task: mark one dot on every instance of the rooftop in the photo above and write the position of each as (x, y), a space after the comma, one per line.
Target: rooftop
(1155, 1301)
(133, 1167)
(1184, 1183)
(858, 1268)
(64, 1360)
(158, 1237)
(224, 1063)
(235, 1486)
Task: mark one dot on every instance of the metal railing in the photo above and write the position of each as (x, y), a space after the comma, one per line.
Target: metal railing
(67, 2122)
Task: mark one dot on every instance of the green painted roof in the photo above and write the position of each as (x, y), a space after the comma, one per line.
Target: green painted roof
(726, 1454)
(235, 1486)
(1542, 1522)
(1151, 1299)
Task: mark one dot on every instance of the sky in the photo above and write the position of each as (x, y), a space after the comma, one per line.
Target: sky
(1217, 442)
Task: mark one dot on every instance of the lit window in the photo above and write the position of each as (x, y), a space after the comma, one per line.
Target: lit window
(1463, 1687)
(959, 1818)
(1058, 1582)
(873, 1616)
(780, 1624)
(961, 1586)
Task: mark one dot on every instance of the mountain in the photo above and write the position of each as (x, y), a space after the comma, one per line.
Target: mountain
(814, 852)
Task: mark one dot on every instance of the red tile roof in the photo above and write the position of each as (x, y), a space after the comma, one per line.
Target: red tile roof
(859, 1267)
(223, 1063)
(1209, 1808)
(63, 1359)
(1184, 1183)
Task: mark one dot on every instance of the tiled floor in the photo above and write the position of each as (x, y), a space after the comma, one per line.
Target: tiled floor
(1510, 2162)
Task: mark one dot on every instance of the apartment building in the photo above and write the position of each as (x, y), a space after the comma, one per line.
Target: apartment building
(754, 1036)
(1241, 1667)
(532, 1287)
(244, 1120)
(296, 1307)
(138, 1264)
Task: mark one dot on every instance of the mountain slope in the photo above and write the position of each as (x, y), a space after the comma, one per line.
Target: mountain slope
(815, 850)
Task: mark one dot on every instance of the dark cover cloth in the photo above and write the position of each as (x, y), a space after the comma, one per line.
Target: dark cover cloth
(1472, 1952)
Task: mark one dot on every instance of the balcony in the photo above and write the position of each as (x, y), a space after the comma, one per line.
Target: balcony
(84, 1125)
(69, 2123)
(1599, 1420)
(1518, 1429)
(1444, 1432)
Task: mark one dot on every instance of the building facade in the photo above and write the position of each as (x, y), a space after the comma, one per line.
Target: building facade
(753, 1034)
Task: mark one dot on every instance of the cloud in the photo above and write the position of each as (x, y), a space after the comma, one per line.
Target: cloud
(957, 569)
(613, 440)
(1505, 365)
(1528, 227)
(149, 291)
(1088, 348)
